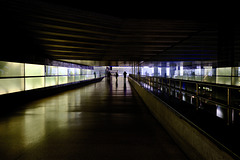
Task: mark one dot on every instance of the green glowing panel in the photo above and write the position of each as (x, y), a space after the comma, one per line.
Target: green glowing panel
(89, 77)
(11, 69)
(84, 71)
(89, 71)
(71, 71)
(51, 70)
(77, 71)
(34, 70)
(236, 81)
(34, 83)
(77, 78)
(82, 77)
(11, 85)
(224, 71)
(70, 79)
(223, 80)
(51, 81)
(210, 79)
(62, 71)
(62, 79)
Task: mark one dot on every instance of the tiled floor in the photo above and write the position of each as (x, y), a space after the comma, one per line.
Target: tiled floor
(106, 120)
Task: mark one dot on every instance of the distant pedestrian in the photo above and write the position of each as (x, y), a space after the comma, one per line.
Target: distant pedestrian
(116, 75)
(125, 74)
(95, 75)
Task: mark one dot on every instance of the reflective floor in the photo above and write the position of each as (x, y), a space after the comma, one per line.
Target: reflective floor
(106, 120)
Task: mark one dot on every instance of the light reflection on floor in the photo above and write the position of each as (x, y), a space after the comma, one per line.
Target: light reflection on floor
(86, 123)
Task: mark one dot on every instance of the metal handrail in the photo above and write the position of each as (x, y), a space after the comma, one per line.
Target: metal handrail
(219, 144)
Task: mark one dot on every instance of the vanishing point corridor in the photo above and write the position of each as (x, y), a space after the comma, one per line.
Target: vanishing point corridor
(105, 120)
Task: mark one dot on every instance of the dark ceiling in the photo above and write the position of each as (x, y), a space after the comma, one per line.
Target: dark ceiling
(117, 33)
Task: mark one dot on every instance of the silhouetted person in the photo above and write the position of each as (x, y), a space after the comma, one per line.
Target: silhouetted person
(108, 75)
(125, 74)
(95, 74)
(116, 75)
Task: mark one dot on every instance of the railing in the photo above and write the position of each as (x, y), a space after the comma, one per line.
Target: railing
(193, 101)
(218, 99)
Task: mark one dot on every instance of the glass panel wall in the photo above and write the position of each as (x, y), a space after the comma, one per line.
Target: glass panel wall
(11, 85)
(16, 77)
(62, 71)
(34, 70)
(51, 70)
(51, 81)
(193, 72)
(11, 69)
(34, 83)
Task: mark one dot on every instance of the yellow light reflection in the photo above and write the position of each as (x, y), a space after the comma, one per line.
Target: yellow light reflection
(72, 29)
(70, 47)
(72, 36)
(70, 41)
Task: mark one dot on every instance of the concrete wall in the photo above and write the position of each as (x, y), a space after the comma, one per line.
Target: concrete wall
(195, 144)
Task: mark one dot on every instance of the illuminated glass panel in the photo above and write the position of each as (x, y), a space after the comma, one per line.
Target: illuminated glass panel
(70, 79)
(236, 81)
(89, 77)
(168, 71)
(84, 71)
(147, 71)
(89, 71)
(77, 71)
(160, 71)
(34, 83)
(51, 70)
(224, 71)
(11, 69)
(71, 71)
(11, 85)
(181, 70)
(77, 78)
(208, 71)
(62, 71)
(34, 70)
(51, 81)
(62, 79)
(82, 77)
(223, 80)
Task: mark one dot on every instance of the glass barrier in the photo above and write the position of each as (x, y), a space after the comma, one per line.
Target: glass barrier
(11, 69)
(62, 79)
(51, 81)
(71, 79)
(77, 71)
(15, 77)
(77, 78)
(34, 70)
(11, 85)
(34, 83)
(51, 70)
(71, 71)
(62, 71)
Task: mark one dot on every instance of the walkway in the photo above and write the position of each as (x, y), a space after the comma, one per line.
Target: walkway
(106, 120)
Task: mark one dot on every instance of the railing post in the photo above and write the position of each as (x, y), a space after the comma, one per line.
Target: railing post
(169, 87)
(180, 90)
(197, 93)
(228, 107)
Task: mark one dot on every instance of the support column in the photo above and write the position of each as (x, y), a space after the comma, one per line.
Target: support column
(138, 73)
(134, 69)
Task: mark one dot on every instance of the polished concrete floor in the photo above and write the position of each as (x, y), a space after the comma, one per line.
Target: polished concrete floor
(106, 120)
